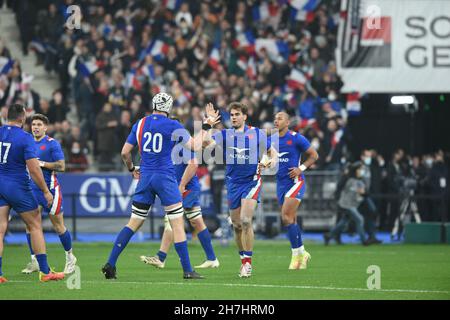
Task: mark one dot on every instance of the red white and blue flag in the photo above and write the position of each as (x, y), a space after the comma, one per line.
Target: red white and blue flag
(89, 67)
(214, 58)
(251, 68)
(5, 65)
(149, 71)
(172, 4)
(303, 10)
(296, 80)
(245, 40)
(273, 47)
(132, 80)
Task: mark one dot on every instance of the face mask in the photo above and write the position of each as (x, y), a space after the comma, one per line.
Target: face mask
(238, 28)
(315, 145)
(75, 151)
(382, 163)
(332, 96)
(368, 161)
(429, 162)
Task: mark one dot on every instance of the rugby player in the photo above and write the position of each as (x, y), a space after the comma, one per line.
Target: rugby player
(156, 135)
(17, 153)
(51, 160)
(291, 184)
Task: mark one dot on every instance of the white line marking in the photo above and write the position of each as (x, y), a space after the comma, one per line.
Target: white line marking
(253, 286)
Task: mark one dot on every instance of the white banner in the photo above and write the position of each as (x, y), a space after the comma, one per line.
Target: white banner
(400, 46)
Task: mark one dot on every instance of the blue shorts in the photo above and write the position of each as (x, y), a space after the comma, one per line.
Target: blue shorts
(290, 189)
(162, 185)
(57, 206)
(238, 191)
(17, 195)
(191, 199)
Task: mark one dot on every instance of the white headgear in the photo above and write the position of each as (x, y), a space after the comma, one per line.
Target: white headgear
(162, 102)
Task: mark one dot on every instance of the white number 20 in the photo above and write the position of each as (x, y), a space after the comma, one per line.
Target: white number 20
(156, 142)
(7, 145)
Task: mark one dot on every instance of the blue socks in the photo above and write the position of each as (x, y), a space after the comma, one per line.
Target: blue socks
(182, 250)
(43, 265)
(1, 273)
(66, 240)
(294, 236)
(29, 244)
(161, 255)
(205, 240)
(121, 242)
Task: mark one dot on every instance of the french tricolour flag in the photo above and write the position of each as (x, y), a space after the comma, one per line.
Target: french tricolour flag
(5, 65)
(273, 47)
(157, 49)
(303, 10)
(214, 58)
(245, 40)
(149, 71)
(260, 12)
(172, 4)
(37, 46)
(132, 80)
(251, 68)
(87, 68)
(353, 104)
(242, 63)
(296, 80)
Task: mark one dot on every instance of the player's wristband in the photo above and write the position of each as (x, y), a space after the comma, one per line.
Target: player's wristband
(206, 126)
(303, 168)
(132, 169)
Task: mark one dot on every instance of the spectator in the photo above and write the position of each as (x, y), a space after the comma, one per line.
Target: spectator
(77, 160)
(106, 125)
(58, 109)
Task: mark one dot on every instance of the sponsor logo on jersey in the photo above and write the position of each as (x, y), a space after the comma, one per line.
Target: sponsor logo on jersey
(281, 155)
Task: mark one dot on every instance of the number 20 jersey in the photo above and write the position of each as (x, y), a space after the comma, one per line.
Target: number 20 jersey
(156, 135)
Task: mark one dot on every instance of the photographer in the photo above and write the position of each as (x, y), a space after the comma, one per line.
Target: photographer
(350, 198)
(368, 207)
(407, 181)
(438, 176)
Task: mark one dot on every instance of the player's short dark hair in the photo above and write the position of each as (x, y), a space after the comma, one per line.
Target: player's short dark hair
(40, 117)
(16, 111)
(238, 106)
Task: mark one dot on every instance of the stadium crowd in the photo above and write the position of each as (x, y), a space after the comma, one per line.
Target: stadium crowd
(271, 55)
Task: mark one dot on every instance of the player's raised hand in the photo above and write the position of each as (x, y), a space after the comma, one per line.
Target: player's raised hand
(212, 115)
(49, 198)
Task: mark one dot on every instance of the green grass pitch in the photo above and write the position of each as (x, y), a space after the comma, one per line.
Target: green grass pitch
(335, 272)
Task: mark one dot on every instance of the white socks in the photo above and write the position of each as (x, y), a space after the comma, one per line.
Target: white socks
(298, 251)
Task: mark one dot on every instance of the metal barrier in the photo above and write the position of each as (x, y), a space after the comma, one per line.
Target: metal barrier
(317, 212)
